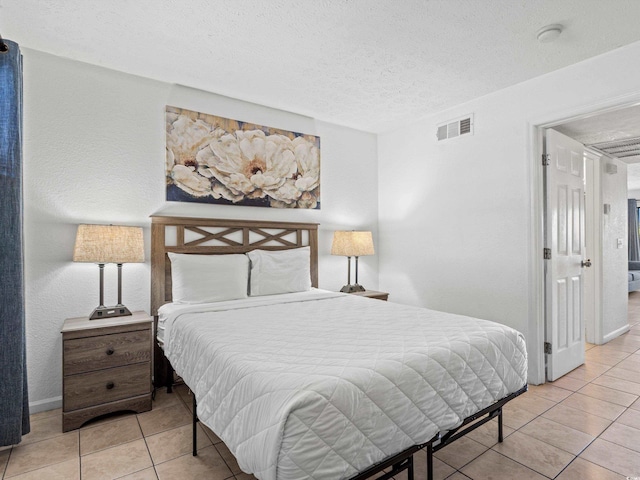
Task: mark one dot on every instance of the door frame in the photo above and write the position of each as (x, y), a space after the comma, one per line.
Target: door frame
(535, 140)
(594, 232)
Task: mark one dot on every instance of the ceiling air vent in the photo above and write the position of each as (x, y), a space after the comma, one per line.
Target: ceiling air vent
(628, 147)
(456, 128)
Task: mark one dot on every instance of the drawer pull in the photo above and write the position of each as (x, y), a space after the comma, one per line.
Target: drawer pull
(110, 351)
(110, 385)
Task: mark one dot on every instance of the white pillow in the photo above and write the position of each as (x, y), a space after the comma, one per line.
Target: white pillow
(208, 278)
(280, 271)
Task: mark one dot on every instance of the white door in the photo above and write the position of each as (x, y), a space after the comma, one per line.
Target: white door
(565, 237)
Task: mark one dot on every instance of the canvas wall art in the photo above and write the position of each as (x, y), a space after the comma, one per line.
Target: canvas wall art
(212, 159)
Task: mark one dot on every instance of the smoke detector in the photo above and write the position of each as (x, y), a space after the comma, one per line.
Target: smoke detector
(549, 33)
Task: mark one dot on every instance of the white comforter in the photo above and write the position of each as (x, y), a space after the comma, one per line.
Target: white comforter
(321, 385)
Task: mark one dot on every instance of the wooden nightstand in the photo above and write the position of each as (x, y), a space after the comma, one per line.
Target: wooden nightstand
(106, 367)
(373, 294)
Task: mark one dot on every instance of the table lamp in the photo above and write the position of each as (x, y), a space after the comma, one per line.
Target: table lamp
(109, 244)
(352, 244)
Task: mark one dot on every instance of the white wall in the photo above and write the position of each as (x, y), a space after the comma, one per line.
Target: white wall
(456, 217)
(94, 153)
(614, 258)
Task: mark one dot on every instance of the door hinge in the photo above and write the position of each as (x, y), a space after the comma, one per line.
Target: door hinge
(547, 254)
(545, 159)
(547, 347)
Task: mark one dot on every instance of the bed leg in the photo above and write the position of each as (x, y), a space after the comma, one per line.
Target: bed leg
(410, 468)
(169, 379)
(195, 421)
(500, 426)
(429, 462)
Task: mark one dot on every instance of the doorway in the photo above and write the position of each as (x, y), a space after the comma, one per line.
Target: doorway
(595, 162)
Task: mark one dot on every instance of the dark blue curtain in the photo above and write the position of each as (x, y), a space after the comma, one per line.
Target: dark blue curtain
(634, 244)
(14, 401)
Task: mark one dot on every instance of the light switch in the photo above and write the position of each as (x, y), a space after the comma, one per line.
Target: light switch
(620, 243)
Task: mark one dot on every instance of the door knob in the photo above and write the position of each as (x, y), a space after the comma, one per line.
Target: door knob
(586, 263)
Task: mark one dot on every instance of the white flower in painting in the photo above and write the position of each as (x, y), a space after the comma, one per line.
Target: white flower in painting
(250, 163)
(220, 191)
(286, 193)
(185, 137)
(308, 200)
(279, 204)
(190, 181)
(302, 188)
(308, 158)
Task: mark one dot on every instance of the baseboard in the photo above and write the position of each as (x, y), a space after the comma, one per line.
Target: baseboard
(616, 333)
(44, 405)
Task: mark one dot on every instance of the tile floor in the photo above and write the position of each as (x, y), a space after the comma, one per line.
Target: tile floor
(585, 425)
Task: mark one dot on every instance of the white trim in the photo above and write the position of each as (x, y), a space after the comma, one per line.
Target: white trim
(616, 333)
(586, 111)
(535, 125)
(535, 327)
(594, 234)
(45, 405)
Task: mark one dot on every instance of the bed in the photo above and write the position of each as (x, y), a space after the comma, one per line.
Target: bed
(306, 383)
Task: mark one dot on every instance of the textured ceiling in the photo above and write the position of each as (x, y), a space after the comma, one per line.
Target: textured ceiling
(367, 64)
(606, 127)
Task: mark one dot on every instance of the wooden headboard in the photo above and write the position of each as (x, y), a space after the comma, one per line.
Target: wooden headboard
(211, 236)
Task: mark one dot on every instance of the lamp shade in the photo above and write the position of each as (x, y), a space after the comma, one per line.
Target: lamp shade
(352, 243)
(108, 244)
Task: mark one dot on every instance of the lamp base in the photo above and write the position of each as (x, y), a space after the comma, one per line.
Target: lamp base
(108, 312)
(352, 288)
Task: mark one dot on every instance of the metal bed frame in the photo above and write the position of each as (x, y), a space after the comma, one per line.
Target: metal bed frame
(404, 460)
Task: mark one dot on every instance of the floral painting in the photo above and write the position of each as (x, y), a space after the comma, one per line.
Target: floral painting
(212, 159)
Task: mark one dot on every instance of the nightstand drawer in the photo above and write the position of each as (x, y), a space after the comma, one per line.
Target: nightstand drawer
(106, 351)
(90, 389)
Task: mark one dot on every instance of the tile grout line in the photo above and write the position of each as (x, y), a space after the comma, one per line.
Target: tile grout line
(520, 463)
(49, 465)
(184, 404)
(578, 456)
(6, 465)
(79, 455)
(144, 439)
